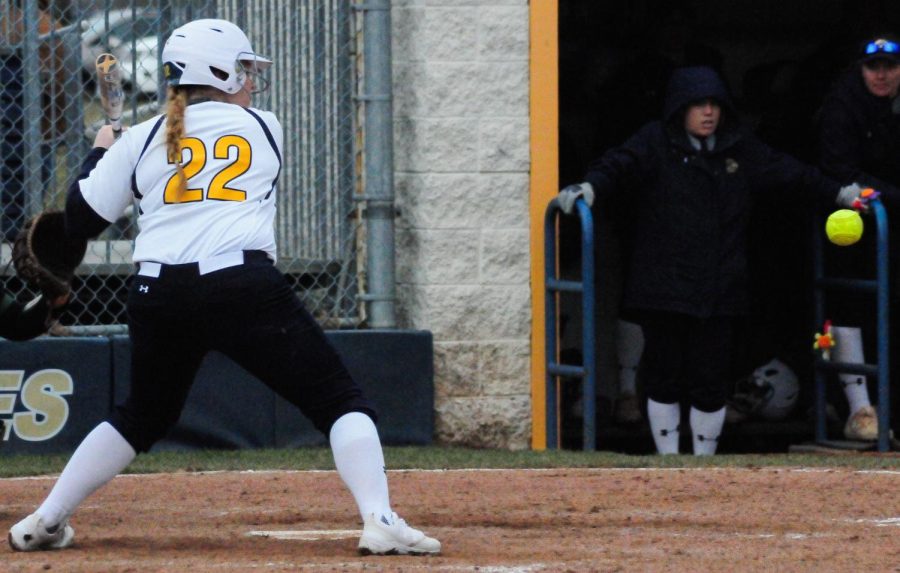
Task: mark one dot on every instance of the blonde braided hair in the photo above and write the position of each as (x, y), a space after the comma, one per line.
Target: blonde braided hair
(177, 100)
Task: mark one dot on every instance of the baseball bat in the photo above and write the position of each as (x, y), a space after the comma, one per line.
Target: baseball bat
(112, 98)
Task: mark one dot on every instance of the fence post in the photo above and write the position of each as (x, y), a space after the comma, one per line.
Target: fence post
(379, 163)
(32, 137)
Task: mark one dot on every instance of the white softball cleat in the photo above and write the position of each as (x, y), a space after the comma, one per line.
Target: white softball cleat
(31, 534)
(862, 425)
(390, 535)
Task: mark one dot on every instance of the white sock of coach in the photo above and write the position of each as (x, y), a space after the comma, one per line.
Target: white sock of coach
(360, 462)
(848, 348)
(706, 427)
(100, 457)
(664, 424)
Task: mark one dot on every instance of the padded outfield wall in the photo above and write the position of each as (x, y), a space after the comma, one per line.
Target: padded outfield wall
(53, 391)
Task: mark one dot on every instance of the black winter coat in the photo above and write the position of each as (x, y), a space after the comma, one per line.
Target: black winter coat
(693, 208)
(859, 140)
(859, 136)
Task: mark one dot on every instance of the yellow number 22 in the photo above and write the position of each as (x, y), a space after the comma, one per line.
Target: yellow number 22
(218, 187)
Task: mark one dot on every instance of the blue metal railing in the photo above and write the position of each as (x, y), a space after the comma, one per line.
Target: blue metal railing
(878, 287)
(553, 285)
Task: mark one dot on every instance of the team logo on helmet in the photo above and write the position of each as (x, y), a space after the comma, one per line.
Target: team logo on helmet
(172, 73)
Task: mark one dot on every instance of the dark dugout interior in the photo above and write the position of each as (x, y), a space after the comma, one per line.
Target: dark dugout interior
(779, 59)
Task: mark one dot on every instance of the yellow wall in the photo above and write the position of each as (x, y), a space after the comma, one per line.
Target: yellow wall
(544, 185)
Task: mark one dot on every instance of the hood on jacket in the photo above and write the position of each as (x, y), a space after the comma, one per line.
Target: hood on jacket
(692, 84)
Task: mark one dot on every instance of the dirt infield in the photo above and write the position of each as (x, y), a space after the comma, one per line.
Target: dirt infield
(491, 521)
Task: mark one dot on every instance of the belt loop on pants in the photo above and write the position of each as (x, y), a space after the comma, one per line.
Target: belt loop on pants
(202, 267)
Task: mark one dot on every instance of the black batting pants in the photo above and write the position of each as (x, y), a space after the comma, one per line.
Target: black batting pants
(247, 312)
(687, 358)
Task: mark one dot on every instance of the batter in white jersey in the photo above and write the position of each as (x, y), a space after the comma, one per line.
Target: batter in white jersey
(203, 178)
(232, 158)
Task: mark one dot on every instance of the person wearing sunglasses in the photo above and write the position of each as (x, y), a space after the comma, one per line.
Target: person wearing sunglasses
(858, 123)
(859, 140)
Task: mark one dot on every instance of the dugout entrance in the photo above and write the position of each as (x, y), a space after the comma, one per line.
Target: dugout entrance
(778, 59)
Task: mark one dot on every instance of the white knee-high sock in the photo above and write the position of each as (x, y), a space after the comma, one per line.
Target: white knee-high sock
(98, 459)
(629, 348)
(360, 462)
(848, 348)
(665, 420)
(706, 427)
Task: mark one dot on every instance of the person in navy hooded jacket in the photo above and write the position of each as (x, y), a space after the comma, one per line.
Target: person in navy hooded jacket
(692, 178)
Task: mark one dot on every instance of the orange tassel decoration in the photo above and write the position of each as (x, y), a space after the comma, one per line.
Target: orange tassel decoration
(824, 341)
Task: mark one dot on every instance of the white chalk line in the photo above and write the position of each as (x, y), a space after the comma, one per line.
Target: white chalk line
(886, 522)
(332, 534)
(772, 469)
(307, 535)
(738, 535)
(427, 565)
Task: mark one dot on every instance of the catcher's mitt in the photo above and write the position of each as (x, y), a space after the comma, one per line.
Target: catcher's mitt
(44, 257)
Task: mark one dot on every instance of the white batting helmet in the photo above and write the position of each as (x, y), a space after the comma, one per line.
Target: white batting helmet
(770, 392)
(210, 52)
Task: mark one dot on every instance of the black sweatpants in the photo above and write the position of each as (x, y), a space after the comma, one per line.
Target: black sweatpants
(247, 312)
(687, 358)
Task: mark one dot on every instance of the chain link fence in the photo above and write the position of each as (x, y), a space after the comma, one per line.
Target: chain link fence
(51, 112)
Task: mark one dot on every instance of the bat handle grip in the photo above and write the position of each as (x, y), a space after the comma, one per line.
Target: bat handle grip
(116, 128)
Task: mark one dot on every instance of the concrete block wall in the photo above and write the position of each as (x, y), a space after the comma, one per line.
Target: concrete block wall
(461, 137)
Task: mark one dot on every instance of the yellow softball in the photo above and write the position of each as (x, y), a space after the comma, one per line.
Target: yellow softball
(844, 227)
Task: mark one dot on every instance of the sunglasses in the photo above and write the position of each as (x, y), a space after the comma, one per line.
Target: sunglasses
(882, 46)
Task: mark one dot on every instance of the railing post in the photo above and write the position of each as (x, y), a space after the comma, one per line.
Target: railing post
(550, 322)
(589, 352)
(588, 370)
(880, 288)
(884, 309)
(819, 375)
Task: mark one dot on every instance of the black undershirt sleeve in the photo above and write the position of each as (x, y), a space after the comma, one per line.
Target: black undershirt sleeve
(81, 220)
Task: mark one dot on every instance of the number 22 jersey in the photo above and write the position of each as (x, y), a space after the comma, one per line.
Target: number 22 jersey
(231, 158)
